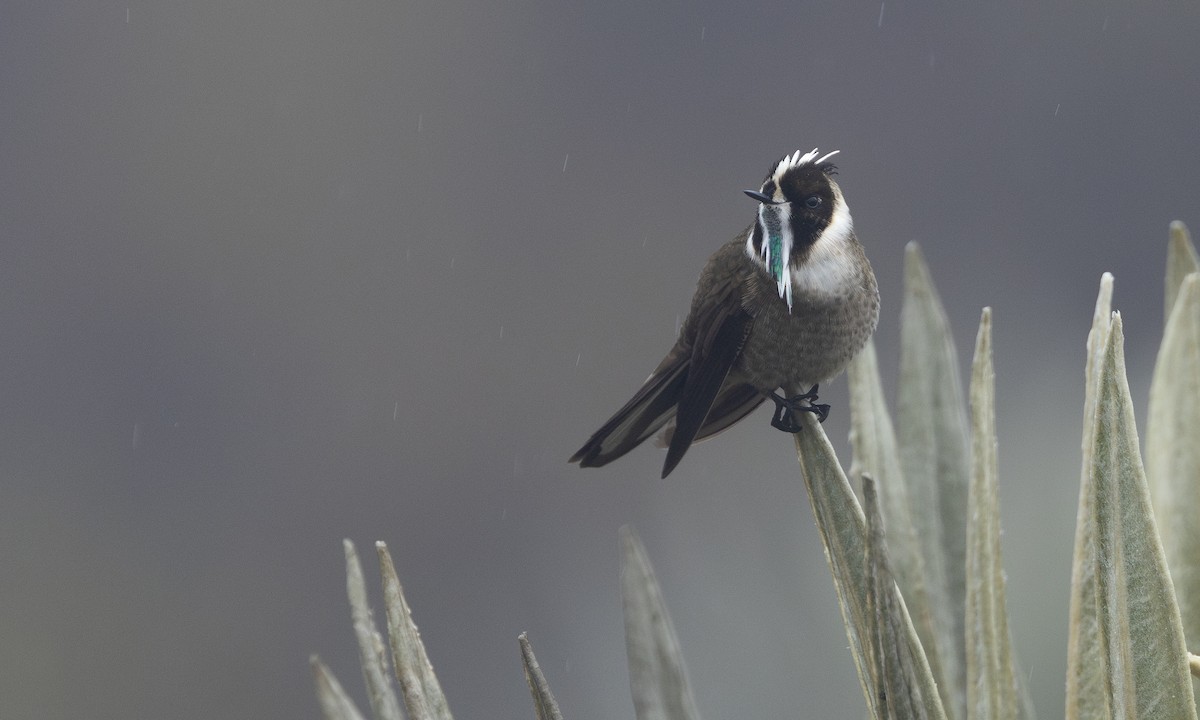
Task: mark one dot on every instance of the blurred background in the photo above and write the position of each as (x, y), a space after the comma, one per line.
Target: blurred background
(275, 274)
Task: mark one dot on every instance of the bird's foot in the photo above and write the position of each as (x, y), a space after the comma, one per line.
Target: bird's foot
(785, 418)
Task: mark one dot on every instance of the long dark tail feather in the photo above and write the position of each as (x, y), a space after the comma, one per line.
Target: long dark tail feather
(731, 405)
(704, 380)
(647, 411)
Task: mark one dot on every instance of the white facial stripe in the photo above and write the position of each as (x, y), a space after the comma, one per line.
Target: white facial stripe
(775, 219)
(829, 269)
(841, 225)
(783, 285)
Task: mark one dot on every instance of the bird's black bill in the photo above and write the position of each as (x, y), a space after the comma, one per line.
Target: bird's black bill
(761, 197)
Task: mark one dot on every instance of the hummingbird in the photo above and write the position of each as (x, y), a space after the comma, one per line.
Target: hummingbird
(784, 306)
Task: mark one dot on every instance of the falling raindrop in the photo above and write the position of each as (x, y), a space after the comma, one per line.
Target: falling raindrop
(395, 411)
(565, 159)
(501, 332)
(578, 358)
(702, 29)
(1056, 107)
(137, 431)
(880, 15)
(126, 16)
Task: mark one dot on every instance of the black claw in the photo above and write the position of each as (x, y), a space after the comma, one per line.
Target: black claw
(809, 396)
(788, 424)
(785, 418)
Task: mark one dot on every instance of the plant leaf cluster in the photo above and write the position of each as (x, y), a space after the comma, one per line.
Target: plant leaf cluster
(917, 565)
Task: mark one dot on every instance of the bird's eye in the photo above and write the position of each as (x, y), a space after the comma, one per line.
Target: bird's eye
(812, 202)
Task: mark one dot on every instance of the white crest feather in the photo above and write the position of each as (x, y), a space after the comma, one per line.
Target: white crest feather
(797, 159)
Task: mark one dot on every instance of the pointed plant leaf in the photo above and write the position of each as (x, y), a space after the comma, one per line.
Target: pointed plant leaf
(1173, 450)
(335, 703)
(1182, 261)
(543, 700)
(843, 531)
(991, 684)
(1087, 696)
(934, 453)
(842, 527)
(657, 676)
(900, 677)
(1141, 639)
(875, 453)
(382, 696)
(423, 696)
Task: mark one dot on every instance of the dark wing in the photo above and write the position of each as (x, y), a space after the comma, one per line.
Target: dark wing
(647, 411)
(720, 339)
(687, 386)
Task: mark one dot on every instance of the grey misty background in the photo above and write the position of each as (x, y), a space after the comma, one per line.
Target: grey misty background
(274, 274)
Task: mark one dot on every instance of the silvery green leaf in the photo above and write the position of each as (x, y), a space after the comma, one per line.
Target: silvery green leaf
(1173, 449)
(423, 696)
(657, 676)
(1182, 261)
(991, 683)
(934, 454)
(842, 527)
(1087, 693)
(900, 676)
(1141, 645)
(370, 645)
(875, 454)
(543, 700)
(335, 703)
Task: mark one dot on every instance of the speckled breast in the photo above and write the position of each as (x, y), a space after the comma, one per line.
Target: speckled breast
(812, 343)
